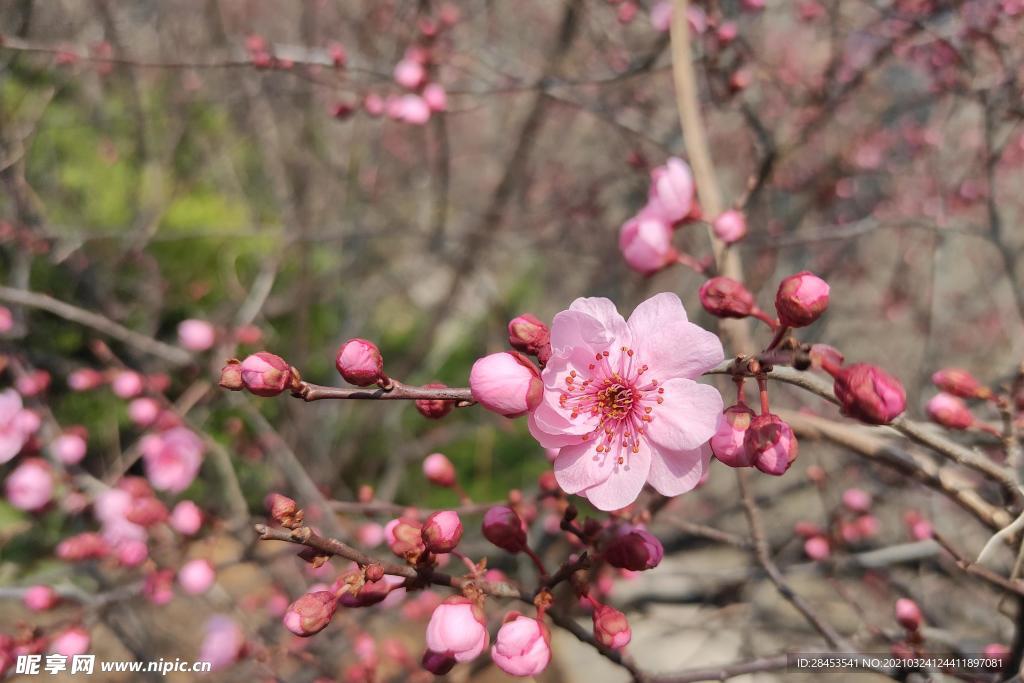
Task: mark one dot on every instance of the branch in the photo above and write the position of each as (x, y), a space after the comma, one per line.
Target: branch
(396, 391)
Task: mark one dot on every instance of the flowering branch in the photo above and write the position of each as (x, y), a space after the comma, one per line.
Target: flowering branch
(394, 391)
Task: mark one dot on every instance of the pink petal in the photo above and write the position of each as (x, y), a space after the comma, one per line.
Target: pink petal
(676, 472)
(604, 311)
(576, 467)
(688, 416)
(656, 312)
(578, 331)
(624, 485)
(679, 349)
(553, 430)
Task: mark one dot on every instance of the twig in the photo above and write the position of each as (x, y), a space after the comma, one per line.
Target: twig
(395, 392)
(973, 569)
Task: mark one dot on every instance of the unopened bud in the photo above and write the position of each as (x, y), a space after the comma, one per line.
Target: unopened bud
(503, 527)
(960, 383)
(284, 511)
(405, 537)
(724, 297)
(528, 334)
(801, 299)
(442, 531)
(908, 614)
(727, 443)
(507, 383)
(359, 362)
(311, 613)
(869, 394)
(771, 444)
(611, 628)
(635, 549)
(730, 226)
(439, 470)
(265, 374)
(434, 408)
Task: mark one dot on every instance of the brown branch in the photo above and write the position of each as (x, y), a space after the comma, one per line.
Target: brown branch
(1013, 586)
(395, 392)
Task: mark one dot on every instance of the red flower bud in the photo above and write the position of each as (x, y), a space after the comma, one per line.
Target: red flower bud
(635, 549)
(960, 383)
(437, 663)
(727, 443)
(442, 531)
(949, 411)
(724, 297)
(503, 527)
(611, 627)
(908, 614)
(771, 444)
(439, 470)
(147, 512)
(359, 362)
(311, 613)
(84, 546)
(869, 393)
(528, 334)
(434, 408)
(801, 299)
(265, 374)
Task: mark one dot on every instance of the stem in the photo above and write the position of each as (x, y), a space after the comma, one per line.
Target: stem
(780, 334)
(762, 388)
(395, 392)
(537, 562)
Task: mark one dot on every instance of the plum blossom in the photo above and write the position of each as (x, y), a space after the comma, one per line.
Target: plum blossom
(621, 403)
(172, 458)
(16, 424)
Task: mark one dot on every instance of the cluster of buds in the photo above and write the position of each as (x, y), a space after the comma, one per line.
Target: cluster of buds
(508, 382)
(744, 439)
(261, 373)
(799, 301)
(949, 407)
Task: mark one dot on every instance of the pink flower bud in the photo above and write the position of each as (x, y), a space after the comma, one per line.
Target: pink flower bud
(265, 374)
(727, 443)
(158, 586)
(857, 500)
(506, 383)
(311, 613)
(144, 411)
(528, 334)
(172, 458)
(724, 297)
(949, 411)
(146, 512)
(439, 470)
(196, 335)
(69, 448)
(458, 629)
(435, 97)
(412, 109)
(127, 384)
(727, 32)
(672, 190)
(869, 394)
(196, 576)
(284, 510)
(84, 546)
(634, 548)
(503, 527)
(771, 444)
(84, 379)
(431, 408)
(371, 592)
(867, 525)
(442, 531)
(611, 628)
(908, 614)
(186, 518)
(131, 553)
(730, 226)
(405, 537)
(801, 299)
(40, 598)
(409, 74)
(30, 486)
(359, 362)
(817, 548)
(960, 383)
(33, 383)
(437, 663)
(646, 243)
(71, 642)
(521, 647)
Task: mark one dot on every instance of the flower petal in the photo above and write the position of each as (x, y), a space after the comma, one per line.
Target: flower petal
(677, 349)
(615, 330)
(656, 312)
(581, 466)
(552, 430)
(625, 483)
(687, 418)
(675, 472)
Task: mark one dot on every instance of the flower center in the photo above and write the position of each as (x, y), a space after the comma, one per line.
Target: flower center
(620, 397)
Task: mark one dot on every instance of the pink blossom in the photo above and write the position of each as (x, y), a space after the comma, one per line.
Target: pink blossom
(730, 226)
(40, 598)
(949, 411)
(506, 383)
(457, 629)
(196, 576)
(436, 97)
(412, 109)
(857, 500)
(727, 443)
(409, 73)
(69, 448)
(373, 104)
(671, 194)
(33, 383)
(646, 243)
(223, 642)
(621, 403)
(30, 486)
(370, 534)
(817, 548)
(521, 647)
(186, 518)
(172, 458)
(143, 411)
(196, 335)
(359, 362)
(17, 424)
(70, 642)
(131, 552)
(84, 379)
(127, 384)
(158, 586)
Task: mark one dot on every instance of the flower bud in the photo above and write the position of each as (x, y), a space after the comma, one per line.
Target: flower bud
(646, 243)
(528, 334)
(771, 444)
(801, 299)
(727, 443)
(521, 647)
(634, 548)
(869, 394)
(374, 588)
(127, 384)
(439, 470)
(405, 537)
(84, 546)
(908, 614)
(458, 629)
(231, 376)
(186, 518)
(672, 191)
(437, 663)
(826, 357)
(409, 73)
(84, 379)
(960, 383)
(611, 628)
(503, 527)
(146, 511)
(158, 586)
(71, 642)
(724, 297)
(196, 335)
(434, 408)
(949, 411)
(29, 486)
(40, 598)
(857, 500)
(196, 576)
(70, 447)
(817, 548)
(506, 383)
(284, 511)
(730, 226)
(359, 362)
(265, 374)
(442, 531)
(311, 613)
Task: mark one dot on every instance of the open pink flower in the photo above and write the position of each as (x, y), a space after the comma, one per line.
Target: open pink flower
(16, 424)
(172, 458)
(621, 403)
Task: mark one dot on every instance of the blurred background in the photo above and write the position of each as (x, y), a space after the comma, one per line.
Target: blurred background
(260, 166)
